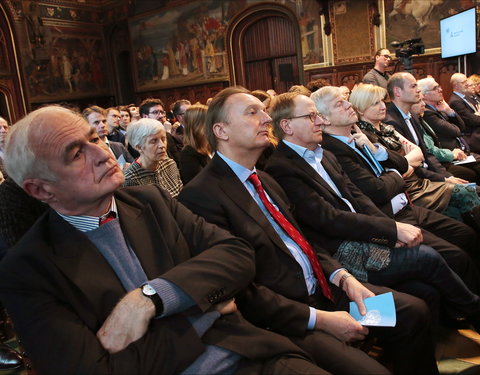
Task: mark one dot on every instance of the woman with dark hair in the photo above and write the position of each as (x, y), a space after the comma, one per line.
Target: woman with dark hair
(196, 152)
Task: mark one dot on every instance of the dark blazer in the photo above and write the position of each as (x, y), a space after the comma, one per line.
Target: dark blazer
(435, 171)
(447, 129)
(59, 290)
(324, 217)
(191, 163)
(379, 189)
(116, 136)
(119, 149)
(471, 120)
(217, 194)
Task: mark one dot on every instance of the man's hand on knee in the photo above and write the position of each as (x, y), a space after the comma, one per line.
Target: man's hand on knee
(341, 325)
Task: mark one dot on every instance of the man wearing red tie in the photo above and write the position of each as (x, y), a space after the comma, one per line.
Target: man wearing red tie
(300, 290)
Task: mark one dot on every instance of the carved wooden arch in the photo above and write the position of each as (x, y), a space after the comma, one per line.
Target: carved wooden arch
(11, 88)
(236, 31)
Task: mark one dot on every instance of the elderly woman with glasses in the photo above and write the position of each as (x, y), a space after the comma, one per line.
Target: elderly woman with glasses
(153, 166)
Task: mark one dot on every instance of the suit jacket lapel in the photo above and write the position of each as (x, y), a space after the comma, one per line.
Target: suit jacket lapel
(305, 167)
(238, 194)
(144, 234)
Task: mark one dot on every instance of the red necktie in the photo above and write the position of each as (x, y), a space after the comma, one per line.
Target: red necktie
(294, 234)
(109, 217)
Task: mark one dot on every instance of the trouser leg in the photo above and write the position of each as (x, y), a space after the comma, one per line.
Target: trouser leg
(425, 264)
(409, 344)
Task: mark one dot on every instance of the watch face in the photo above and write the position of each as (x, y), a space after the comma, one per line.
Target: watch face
(148, 290)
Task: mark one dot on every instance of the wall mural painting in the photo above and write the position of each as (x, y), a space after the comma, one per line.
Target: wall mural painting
(348, 47)
(186, 45)
(181, 46)
(62, 62)
(407, 19)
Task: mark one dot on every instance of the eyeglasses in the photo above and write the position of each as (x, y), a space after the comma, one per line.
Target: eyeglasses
(387, 56)
(435, 88)
(312, 115)
(157, 112)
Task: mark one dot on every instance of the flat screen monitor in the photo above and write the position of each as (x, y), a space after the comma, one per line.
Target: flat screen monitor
(458, 34)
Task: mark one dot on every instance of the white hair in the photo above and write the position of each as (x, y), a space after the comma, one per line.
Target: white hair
(322, 96)
(138, 131)
(20, 160)
(424, 84)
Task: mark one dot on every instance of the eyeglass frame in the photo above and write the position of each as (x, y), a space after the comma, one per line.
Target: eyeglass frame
(157, 112)
(313, 116)
(435, 88)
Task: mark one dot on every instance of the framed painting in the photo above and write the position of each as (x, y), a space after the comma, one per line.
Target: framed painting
(410, 19)
(352, 31)
(181, 46)
(63, 58)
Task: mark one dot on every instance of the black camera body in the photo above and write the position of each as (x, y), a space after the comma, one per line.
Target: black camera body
(409, 48)
(406, 49)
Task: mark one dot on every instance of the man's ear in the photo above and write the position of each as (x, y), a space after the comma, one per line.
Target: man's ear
(285, 125)
(219, 129)
(39, 189)
(397, 91)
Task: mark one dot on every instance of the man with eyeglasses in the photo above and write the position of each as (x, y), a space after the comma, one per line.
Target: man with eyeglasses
(295, 280)
(378, 75)
(448, 129)
(463, 104)
(154, 108)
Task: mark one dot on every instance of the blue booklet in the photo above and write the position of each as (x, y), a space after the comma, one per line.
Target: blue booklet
(380, 311)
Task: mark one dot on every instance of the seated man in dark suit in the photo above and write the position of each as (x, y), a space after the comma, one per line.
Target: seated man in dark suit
(230, 192)
(404, 92)
(106, 281)
(365, 168)
(370, 172)
(448, 129)
(463, 104)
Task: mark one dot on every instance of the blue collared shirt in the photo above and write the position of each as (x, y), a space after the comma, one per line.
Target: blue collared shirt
(399, 201)
(314, 159)
(243, 173)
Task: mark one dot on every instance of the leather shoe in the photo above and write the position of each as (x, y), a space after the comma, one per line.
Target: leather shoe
(9, 358)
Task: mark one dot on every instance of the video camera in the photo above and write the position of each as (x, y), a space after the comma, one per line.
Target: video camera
(409, 48)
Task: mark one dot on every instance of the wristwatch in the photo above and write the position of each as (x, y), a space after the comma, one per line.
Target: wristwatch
(149, 292)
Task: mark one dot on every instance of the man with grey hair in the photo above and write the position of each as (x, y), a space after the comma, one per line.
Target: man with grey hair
(446, 128)
(465, 107)
(296, 276)
(107, 280)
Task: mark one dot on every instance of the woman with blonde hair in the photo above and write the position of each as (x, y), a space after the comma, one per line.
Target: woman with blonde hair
(196, 152)
(452, 200)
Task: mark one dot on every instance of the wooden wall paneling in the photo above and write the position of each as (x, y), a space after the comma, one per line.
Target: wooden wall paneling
(277, 25)
(282, 39)
(256, 43)
(283, 86)
(258, 75)
(350, 78)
